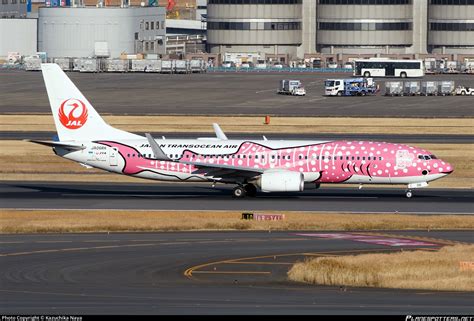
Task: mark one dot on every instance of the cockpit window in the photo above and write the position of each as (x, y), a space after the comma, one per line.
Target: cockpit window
(427, 157)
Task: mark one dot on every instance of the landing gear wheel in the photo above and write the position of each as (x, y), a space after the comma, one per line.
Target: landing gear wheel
(409, 194)
(250, 190)
(239, 192)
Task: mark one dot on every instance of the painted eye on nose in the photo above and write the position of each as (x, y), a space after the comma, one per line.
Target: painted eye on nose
(424, 172)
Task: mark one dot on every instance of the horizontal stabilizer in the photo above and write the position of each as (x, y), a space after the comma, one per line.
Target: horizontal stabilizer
(51, 143)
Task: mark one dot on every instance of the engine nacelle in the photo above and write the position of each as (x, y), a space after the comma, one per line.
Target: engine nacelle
(281, 181)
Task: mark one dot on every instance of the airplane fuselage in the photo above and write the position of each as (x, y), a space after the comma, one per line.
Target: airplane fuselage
(361, 162)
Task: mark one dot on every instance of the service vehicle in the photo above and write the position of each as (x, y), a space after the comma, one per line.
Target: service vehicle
(463, 91)
(291, 87)
(350, 87)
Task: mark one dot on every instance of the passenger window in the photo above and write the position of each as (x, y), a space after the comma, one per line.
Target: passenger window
(128, 155)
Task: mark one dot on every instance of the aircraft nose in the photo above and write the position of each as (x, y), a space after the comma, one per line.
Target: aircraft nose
(444, 167)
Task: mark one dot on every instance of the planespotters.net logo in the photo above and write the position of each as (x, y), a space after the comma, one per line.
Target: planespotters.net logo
(438, 318)
(73, 113)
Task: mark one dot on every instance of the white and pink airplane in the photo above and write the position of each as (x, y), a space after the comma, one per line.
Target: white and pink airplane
(251, 165)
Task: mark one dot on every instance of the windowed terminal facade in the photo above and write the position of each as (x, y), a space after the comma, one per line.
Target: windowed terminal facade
(299, 27)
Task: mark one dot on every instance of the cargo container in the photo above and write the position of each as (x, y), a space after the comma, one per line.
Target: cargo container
(393, 88)
(117, 65)
(446, 88)
(167, 66)
(197, 66)
(66, 64)
(32, 63)
(86, 65)
(181, 66)
(429, 88)
(411, 88)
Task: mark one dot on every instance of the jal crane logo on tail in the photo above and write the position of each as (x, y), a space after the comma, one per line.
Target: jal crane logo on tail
(73, 113)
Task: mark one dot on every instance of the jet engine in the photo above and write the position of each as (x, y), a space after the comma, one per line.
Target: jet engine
(281, 181)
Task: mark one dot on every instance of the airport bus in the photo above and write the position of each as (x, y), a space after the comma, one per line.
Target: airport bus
(388, 68)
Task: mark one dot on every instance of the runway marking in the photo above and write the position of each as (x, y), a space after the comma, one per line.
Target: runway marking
(387, 239)
(156, 243)
(189, 272)
(51, 242)
(421, 238)
(232, 272)
(261, 91)
(77, 249)
(261, 262)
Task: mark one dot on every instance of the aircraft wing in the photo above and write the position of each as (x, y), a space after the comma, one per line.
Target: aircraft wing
(214, 170)
(221, 170)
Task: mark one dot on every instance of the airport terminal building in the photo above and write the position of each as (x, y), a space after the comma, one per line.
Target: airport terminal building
(299, 27)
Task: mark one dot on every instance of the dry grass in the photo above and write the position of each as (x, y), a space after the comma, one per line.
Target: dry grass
(32, 162)
(68, 221)
(256, 124)
(406, 270)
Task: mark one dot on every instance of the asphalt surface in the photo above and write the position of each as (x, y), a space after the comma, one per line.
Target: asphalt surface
(406, 138)
(224, 94)
(189, 196)
(199, 273)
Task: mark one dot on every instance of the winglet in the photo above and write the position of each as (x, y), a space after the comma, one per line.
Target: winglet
(219, 133)
(157, 151)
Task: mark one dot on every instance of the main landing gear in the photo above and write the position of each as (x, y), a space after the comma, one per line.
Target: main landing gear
(242, 191)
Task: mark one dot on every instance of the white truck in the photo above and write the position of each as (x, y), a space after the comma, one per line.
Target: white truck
(463, 91)
(291, 87)
(350, 87)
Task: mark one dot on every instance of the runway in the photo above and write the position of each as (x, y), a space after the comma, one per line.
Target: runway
(405, 138)
(201, 273)
(189, 196)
